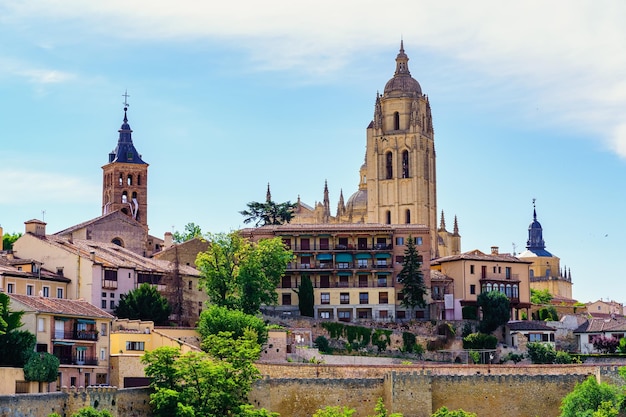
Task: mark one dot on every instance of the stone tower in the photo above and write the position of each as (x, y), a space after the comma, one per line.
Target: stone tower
(400, 157)
(125, 179)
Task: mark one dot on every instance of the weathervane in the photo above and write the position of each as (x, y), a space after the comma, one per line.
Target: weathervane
(125, 95)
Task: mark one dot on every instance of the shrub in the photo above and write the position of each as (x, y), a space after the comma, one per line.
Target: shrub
(322, 344)
(563, 358)
(468, 328)
(381, 339)
(408, 342)
(480, 341)
(541, 353)
(469, 313)
(605, 344)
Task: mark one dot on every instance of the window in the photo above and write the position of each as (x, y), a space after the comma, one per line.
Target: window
(382, 281)
(46, 291)
(401, 314)
(534, 337)
(343, 315)
(363, 281)
(494, 269)
(399, 259)
(286, 299)
(381, 263)
(472, 288)
(405, 164)
(286, 281)
(112, 304)
(41, 348)
(129, 180)
(483, 271)
(190, 285)
(343, 282)
(362, 263)
(364, 298)
(30, 290)
(103, 329)
(383, 314)
(507, 272)
(41, 324)
(389, 165)
(324, 314)
(305, 262)
(104, 295)
(399, 241)
(323, 243)
(343, 243)
(396, 121)
(305, 244)
(343, 265)
(324, 281)
(419, 241)
(344, 298)
(399, 297)
(325, 298)
(287, 242)
(103, 354)
(59, 292)
(407, 216)
(10, 288)
(383, 298)
(388, 217)
(135, 346)
(103, 304)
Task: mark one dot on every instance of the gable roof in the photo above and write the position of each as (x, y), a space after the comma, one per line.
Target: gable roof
(528, 325)
(114, 215)
(601, 325)
(8, 269)
(476, 255)
(60, 306)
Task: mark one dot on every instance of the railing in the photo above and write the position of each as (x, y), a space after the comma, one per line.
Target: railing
(91, 335)
(74, 360)
(338, 247)
(330, 266)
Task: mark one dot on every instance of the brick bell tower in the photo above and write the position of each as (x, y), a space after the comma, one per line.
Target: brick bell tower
(125, 177)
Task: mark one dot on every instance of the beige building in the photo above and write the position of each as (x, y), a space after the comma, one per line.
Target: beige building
(353, 268)
(398, 183)
(461, 278)
(101, 272)
(605, 308)
(27, 277)
(545, 269)
(75, 331)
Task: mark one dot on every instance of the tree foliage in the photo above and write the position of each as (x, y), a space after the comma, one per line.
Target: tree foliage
(216, 383)
(191, 231)
(8, 239)
(144, 303)
(592, 399)
(605, 344)
(479, 341)
(547, 314)
(381, 411)
(306, 300)
(268, 213)
(334, 411)
(41, 367)
(91, 412)
(496, 310)
(15, 345)
(218, 319)
(242, 275)
(540, 296)
(444, 412)
(412, 278)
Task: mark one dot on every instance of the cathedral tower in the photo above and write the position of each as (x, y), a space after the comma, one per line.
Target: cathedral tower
(400, 156)
(125, 178)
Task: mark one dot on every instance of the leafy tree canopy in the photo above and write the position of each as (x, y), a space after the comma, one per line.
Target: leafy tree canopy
(15, 345)
(144, 303)
(42, 367)
(592, 399)
(334, 411)
(191, 231)
(91, 412)
(444, 412)
(496, 310)
(268, 213)
(540, 296)
(412, 278)
(242, 275)
(8, 239)
(218, 319)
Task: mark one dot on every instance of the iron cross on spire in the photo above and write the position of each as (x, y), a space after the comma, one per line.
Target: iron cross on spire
(125, 95)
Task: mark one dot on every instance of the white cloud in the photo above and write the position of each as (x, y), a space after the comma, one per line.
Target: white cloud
(22, 186)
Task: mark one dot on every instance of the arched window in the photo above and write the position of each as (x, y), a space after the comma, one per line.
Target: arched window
(389, 165)
(502, 288)
(396, 121)
(532, 273)
(515, 291)
(129, 179)
(117, 241)
(134, 195)
(388, 215)
(138, 179)
(124, 197)
(489, 287)
(407, 216)
(121, 181)
(509, 293)
(405, 164)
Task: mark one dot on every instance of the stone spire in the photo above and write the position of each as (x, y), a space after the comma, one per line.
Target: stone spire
(442, 223)
(341, 207)
(456, 227)
(125, 151)
(326, 203)
(268, 195)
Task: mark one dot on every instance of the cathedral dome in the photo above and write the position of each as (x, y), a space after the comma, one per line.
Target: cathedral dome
(358, 200)
(402, 84)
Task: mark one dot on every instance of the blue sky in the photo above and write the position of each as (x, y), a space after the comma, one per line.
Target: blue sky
(528, 102)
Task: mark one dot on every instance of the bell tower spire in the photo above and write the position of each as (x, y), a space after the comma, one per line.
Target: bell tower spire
(125, 176)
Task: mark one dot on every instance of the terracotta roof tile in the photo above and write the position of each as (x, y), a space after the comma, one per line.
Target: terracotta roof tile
(78, 308)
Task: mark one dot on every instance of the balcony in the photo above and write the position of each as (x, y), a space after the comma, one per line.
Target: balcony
(75, 360)
(89, 335)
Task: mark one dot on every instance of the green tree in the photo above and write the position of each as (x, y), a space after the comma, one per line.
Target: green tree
(495, 308)
(381, 411)
(306, 300)
(91, 412)
(239, 274)
(592, 399)
(41, 367)
(200, 383)
(540, 296)
(191, 231)
(216, 319)
(412, 278)
(8, 240)
(334, 411)
(444, 412)
(268, 213)
(144, 303)
(15, 345)
(547, 314)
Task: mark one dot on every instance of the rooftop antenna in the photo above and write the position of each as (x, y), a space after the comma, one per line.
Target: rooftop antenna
(43, 215)
(514, 246)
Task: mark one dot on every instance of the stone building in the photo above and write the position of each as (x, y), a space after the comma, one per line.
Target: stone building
(398, 183)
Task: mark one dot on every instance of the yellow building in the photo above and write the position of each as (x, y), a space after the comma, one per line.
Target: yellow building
(398, 182)
(353, 268)
(545, 269)
(27, 277)
(75, 331)
(461, 278)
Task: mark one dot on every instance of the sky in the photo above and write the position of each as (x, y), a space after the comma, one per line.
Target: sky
(528, 102)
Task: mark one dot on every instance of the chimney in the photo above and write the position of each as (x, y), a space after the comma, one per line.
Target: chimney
(92, 255)
(1, 248)
(494, 250)
(36, 227)
(168, 240)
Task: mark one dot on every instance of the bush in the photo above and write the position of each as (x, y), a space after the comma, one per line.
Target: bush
(468, 329)
(480, 341)
(408, 342)
(515, 357)
(322, 344)
(564, 358)
(541, 353)
(469, 313)
(605, 344)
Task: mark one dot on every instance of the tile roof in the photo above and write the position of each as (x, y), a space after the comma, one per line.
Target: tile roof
(61, 306)
(114, 214)
(528, 325)
(335, 227)
(601, 325)
(477, 255)
(7, 269)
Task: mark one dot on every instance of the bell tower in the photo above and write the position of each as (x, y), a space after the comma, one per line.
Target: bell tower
(125, 177)
(400, 155)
